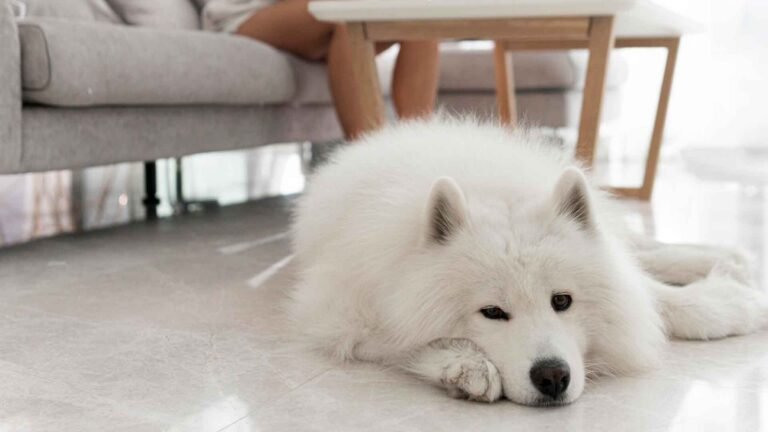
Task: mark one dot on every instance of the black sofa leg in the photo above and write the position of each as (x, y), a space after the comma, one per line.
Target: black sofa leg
(180, 185)
(150, 190)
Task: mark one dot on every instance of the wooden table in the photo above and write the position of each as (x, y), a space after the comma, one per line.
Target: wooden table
(596, 25)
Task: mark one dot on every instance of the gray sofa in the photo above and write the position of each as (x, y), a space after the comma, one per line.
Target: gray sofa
(84, 91)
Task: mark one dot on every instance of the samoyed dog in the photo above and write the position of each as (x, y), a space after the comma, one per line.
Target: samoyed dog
(482, 261)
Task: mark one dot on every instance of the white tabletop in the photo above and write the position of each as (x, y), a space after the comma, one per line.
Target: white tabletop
(633, 17)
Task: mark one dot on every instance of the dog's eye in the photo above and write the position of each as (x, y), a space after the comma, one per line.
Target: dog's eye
(494, 313)
(561, 302)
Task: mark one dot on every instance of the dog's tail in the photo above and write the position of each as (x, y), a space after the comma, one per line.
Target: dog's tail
(714, 307)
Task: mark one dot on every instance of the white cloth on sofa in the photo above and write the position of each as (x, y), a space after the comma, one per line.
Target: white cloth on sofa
(228, 15)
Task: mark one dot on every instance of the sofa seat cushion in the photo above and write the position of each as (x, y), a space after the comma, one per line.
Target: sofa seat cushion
(469, 67)
(71, 63)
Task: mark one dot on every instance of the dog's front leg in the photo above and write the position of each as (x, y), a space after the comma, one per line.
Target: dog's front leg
(459, 366)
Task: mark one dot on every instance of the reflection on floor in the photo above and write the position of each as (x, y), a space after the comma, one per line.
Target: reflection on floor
(44, 204)
(176, 326)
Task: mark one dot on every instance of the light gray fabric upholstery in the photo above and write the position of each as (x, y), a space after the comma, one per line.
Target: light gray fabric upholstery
(35, 65)
(463, 70)
(68, 63)
(171, 14)
(10, 90)
(81, 10)
(105, 135)
(555, 109)
(473, 69)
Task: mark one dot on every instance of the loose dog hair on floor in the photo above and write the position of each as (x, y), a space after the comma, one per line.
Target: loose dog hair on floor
(484, 261)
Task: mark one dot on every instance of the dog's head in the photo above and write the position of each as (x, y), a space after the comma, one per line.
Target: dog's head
(539, 288)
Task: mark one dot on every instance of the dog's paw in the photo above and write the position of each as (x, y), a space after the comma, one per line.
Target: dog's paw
(473, 377)
(458, 365)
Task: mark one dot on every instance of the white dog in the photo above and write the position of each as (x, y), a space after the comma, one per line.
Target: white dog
(478, 260)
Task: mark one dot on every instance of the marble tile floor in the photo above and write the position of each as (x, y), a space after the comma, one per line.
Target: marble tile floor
(175, 326)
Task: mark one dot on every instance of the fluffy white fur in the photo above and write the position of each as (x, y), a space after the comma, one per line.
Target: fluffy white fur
(405, 235)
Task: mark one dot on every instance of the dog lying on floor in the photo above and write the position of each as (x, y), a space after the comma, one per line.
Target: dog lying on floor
(479, 260)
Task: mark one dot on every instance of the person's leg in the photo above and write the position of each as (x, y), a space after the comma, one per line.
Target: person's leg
(288, 25)
(414, 85)
(344, 90)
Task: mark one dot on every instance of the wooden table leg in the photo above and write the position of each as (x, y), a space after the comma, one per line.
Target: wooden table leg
(652, 161)
(366, 77)
(645, 191)
(601, 41)
(505, 85)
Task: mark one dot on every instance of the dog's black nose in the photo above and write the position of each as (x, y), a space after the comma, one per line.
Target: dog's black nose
(551, 376)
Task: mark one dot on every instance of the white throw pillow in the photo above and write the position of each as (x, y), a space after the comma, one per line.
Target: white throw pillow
(85, 10)
(177, 14)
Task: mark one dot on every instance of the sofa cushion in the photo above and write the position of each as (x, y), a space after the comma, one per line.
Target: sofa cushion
(177, 14)
(470, 67)
(67, 63)
(65, 138)
(85, 10)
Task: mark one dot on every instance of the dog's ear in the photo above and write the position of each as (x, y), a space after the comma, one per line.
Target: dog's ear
(446, 211)
(572, 198)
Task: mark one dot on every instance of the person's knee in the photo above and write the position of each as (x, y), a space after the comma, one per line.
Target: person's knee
(318, 50)
(315, 53)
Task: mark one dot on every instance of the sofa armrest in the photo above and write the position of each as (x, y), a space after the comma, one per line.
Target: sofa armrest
(10, 91)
